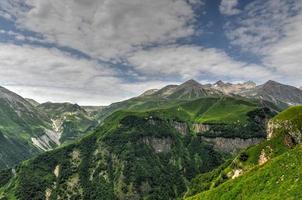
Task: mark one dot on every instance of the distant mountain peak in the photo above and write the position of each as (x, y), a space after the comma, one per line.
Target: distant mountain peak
(250, 82)
(271, 82)
(191, 82)
(219, 83)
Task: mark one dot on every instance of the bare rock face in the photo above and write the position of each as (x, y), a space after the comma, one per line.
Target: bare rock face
(229, 88)
(47, 140)
(265, 155)
(270, 130)
(200, 128)
(275, 92)
(237, 173)
(292, 131)
(230, 145)
(263, 158)
(181, 127)
(160, 145)
(288, 141)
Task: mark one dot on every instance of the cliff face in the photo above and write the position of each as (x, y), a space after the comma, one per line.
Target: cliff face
(231, 145)
(181, 127)
(200, 128)
(159, 145)
(293, 132)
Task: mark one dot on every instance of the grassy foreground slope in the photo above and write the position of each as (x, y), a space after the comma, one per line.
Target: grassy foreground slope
(270, 170)
(133, 155)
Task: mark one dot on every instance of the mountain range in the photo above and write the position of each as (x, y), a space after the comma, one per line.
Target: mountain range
(180, 141)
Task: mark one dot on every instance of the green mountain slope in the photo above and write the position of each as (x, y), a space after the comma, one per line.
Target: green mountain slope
(19, 122)
(134, 155)
(70, 120)
(269, 170)
(28, 128)
(165, 97)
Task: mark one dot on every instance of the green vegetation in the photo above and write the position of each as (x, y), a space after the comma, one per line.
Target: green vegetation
(135, 155)
(19, 122)
(227, 117)
(72, 120)
(271, 169)
(278, 179)
(131, 157)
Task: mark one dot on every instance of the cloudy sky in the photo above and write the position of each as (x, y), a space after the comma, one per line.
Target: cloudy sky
(100, 51)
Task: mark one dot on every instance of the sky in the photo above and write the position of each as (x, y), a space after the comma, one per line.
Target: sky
(95, 52)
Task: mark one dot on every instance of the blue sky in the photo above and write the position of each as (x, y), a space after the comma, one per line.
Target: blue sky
(101, 51)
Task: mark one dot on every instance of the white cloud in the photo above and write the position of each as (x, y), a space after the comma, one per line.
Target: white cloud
(228, 7)
(193, 62)
(106, 29)
(272, 30)
(50, 75)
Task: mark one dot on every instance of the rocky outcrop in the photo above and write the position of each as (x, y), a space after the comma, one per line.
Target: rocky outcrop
(237, 173)
(275, 126)
(265, 155)
(231, 145)
(181, 127)
(160, 145)
(271, 127)
(200, 128)
(47, 141)
(51, 138)
(229, 88)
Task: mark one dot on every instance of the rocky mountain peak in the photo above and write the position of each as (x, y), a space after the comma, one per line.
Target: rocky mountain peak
(191, 83)
(250, 83)
(219, 83)
(271, 83)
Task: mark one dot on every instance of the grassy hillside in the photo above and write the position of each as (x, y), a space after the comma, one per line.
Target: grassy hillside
(227, 117)
(28, 128)
(271, 169)
(278, 179)
(19, 121)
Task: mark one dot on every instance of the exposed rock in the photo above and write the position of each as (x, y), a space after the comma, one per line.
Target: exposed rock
(229, 88)
(288, 141)
(47, 141)
(149, 92)
(200, 128)
(280, 94)
(57, 171)
(263, 158)
(231, 145)
(47, 193)
(181, 127)
(160, 145)
(292, 131)
(236, 173)
(271, 127)
(192, 89)
(75, 155)
(74, 187)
